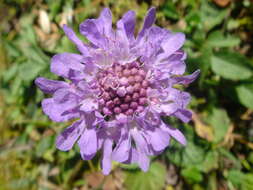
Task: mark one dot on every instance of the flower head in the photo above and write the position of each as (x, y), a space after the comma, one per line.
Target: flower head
(120, 85)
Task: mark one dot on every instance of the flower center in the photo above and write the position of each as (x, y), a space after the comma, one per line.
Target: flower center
(123, 89)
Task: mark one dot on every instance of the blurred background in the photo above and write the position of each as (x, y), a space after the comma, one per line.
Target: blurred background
(220, 137)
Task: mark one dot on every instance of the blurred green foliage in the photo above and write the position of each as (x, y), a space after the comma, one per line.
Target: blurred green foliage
(220, 138)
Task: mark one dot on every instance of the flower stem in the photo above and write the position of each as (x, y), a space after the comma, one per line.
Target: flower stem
(91, 166)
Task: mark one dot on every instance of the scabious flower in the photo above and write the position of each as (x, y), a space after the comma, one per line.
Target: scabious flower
(118, 89)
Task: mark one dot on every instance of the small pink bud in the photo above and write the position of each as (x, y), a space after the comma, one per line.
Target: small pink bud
(129, 112)
(145, 84)
(116, 101)
(134, 105)
(118, 68)
(135, 96)
(112, 93)
(137, 87)
(110, 70)
(130, 89)
(134, 71)
(140, 109)
(124, 106)
(143, 101)
(101, 102)
(119, 74)
(126, 72)
(142, 72)
(117, 110)
(138, 78)
(131, 80)
(121, 91)
(123, 81)
(143, 92)
(106, 111)
(109, 104)
(106, 96)
(128, 98)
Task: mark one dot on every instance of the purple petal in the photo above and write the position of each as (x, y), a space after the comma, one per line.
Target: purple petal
(89, 105)
(177, 67)
(148, 22)
(104, 21)
(93, 118)
(106, 160)
(69, 136)
(127, 24)
(171, 68)
(172, 44)
(88, 144)
(158, 138)
(184, 115)
(50, 86)
(56, 111)
(181, 98)
(174, 64)
(152, 43)
(121, 119)
(72, 36)
(166, 108)
(186, 79)
(142, 149)
(64, 95)
(151, 117)
(143, 161)
(96, 30)
(63, 64)
(89, 29)
(175, 133)
(132, 157)
(121, 151)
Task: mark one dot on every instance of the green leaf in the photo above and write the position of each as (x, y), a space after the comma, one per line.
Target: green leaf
(245, 95)
(10, 73)
(248, 182)
(240, 180)
(29, 71)
(170, 11)
(66, 45)
(217, 39)
(220, 123)
(192, 155)
(12, 50)
(27, 32)
(228, 155)
(174, 154)
(212, 181)
(211, 16)
(193, 18)
(192, 175)
(22, 183)
(129, 166)
(236, 177)
(54, 7)
(44, 145)
(204, 62)
(250, 158)
(153, 179)
(210, 162)
(231, 66)
(33, 52)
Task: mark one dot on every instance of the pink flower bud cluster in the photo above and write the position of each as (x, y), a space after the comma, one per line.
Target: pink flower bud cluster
(123, 89)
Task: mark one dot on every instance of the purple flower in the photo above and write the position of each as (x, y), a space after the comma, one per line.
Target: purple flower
(119, 87)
